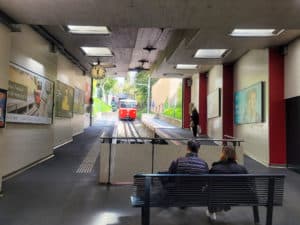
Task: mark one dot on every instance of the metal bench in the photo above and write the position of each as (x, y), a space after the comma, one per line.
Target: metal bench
(209, 190)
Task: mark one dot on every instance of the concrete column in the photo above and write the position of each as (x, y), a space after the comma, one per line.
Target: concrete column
(277, 127)
(186, 102)
(203, 102)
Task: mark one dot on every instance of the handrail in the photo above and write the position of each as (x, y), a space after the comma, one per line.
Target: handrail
(208, 175)
(112, 141)
(177, 139)
(229, 136)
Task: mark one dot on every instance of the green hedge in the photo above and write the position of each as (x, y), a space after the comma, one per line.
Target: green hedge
(100, 106)
(173, 112)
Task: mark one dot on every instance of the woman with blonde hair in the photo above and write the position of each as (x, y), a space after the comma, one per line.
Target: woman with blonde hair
(226, 165)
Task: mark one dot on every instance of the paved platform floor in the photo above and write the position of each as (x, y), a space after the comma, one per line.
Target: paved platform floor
(54, 194)
(166, 130)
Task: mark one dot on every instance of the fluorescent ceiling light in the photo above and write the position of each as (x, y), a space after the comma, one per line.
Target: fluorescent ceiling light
(210, 53)
(255, 32)
(88, 29)
(97, 51)
(186, 66)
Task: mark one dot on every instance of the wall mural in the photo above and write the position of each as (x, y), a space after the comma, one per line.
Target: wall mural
(79, 99)
(64, 100)
(248, 104)
(87, 93)
(3, 99)
(213, 104)
(30, 97)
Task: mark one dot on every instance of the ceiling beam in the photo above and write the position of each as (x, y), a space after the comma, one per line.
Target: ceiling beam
(53, 41)
(9, 22)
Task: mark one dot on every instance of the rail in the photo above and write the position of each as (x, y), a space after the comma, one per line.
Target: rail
(235, 141)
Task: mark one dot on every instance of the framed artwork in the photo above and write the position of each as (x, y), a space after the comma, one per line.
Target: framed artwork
(79, 97)
(3, 100)
(248, 104)
(87, 93)
(30, 97)
(213, 104)
(64, 100)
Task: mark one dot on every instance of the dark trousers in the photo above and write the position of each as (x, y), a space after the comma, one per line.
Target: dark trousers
(194, 128)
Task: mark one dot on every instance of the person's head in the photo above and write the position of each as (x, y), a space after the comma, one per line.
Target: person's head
(193, 146)
(228, 153)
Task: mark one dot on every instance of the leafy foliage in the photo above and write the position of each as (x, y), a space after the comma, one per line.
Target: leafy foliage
(100, 106)
(174, 112)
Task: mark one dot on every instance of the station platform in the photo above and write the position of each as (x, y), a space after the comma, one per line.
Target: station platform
(164, 129)
(55, 193)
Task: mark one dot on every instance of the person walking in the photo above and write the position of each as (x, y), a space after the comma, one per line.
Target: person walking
(194, 120)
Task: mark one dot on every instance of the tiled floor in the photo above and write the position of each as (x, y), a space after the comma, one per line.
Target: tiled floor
(54, 194)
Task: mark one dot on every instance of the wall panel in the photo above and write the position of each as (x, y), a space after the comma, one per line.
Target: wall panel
(215, 81)
(250, 69)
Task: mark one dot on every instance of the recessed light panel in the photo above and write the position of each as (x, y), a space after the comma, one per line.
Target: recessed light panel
(88, 29)
(97, 51)
(186, 66)
(255, 32)
(210, 53)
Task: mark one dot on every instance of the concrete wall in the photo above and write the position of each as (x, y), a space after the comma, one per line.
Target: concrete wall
(292, 70)
(214, 125)
(5, 44)
(164, 89)
(195, 91)
(26, 143)
(23, 144)
(250, 69)
(66, 128)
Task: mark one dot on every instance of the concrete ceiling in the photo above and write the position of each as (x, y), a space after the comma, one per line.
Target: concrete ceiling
(184, 14)
(176, 28)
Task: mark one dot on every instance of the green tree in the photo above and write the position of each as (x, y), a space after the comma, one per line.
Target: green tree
(104, 87)
(142, 89)
(179, 97)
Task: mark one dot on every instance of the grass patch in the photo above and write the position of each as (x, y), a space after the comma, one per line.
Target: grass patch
(173, 112)
(140, 112)
(100, 106)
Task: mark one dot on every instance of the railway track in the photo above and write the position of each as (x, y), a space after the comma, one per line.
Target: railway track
(131, 132)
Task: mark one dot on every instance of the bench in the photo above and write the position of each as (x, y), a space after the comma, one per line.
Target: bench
(209, 190)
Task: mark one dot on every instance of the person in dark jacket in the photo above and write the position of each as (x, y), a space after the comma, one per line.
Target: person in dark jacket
(191, 163)
(194, 120)
(226, 165)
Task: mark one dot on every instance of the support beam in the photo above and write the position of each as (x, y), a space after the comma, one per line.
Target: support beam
(9, 22)
(186, 103)
(227, 106)
(277, 127)
(53, 41)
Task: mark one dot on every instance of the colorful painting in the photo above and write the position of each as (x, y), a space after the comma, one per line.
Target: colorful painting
(87, 93)
(30, 97)
(79, 96)
(3, 99)
(248, 104)
(213, 104)
(64, 100)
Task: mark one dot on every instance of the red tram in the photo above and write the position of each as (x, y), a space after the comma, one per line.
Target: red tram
(127, 109)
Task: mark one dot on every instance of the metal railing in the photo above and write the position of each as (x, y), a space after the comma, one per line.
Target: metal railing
(158, 141)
